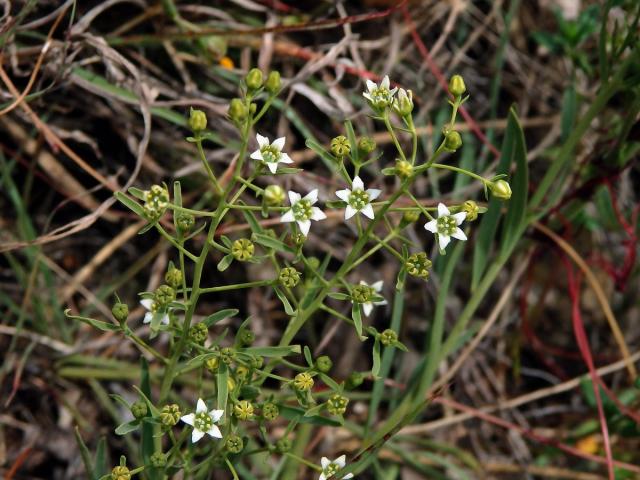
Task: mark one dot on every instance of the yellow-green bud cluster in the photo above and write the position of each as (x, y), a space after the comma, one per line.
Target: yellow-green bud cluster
(354, 380)
(156, 202)
(272, 84)
(197, 121)
(254, 79)
(238, 111)
(246, 337)
(362, 293)
(500, 189)
(323, 364)
(404, 169)
(274, 196)
(242, 249)
(289, 277)
(243, 410)
(164, 295)
(227, 355)
(337, 404)
(340, 147)
(158, 460)
(366, 145)
(212, 364)
(471, 209)
(173, 277)
(121, 472)
(242, 373)
(303, 382)
(120, 312)
(198, 333)
(256, 361)
(270, 411)
(234, 444)
(418, 265)
(388, 337)
(185, 222)
(410, 216)
(452, 141)
(283, 445)
(170, 415)
(139, 409)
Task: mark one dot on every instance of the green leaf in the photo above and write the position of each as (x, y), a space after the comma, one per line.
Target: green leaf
(130, 204)
(138, 193)
(219, 316)
(356, 315)
(319, 149)
(329, 382)
(338, 296)
(221, 381)
(99, 324)
(295, 413)
(273, 243)
(285, 301)
(353, 143)
(274, 351)
(100, 463)
(569, 110)
(314, 411)
(519, 185)
(127, 427)
(86, 456)
(307, 356)
(252, 220)
(225, 262)
(375, 368)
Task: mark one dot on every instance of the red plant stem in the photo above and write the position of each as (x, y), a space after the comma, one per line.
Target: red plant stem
(532, 435)
(435, 70)
(583, 345)
(24, 454)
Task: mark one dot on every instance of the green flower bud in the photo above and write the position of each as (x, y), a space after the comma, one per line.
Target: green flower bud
(388, 337)
(121, 472)
(198, 333)
(410, 216)
(253, 107)
(418, 265)
(471, 209)
(212, 364)
(234, 444)
(272, 85)
(340, 147)
(170, 415)
(337, 404)
(354, 380)
(289, 277)
(362, 293)
(158, 460)
(298, 239)
(197, 120)
(156, 202)
(256, 361)
(323, 364)
(227, 355)
(500, 189)
(231, 384)
(404, 169)
(185, 222)
(173, 277)
(242, 249)
(452, 141)
(403, 104)
(366, 145)
(243, 410)
(246, 337)
(457, 86)
(270, 411)
(254, 79)
(120, 312)
(274, 196)
(238, 111)
(242, 373)
(164, 295)
(139, 409)
(283, 445)
(303, 382)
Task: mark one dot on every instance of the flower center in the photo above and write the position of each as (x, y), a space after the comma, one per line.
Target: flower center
(331, 469)
(270, 154)
(381, 96)
(447, 225)
(202, 422)
(302, 210)
(359, 199)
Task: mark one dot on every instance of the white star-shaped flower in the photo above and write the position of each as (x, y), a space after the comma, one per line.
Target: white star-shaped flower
(330, 468)
(380, 96)
(302, 210)
(271, 153)
(358, 199)
(377, 287)
(152, 309)
(203, 421)
(446, 226)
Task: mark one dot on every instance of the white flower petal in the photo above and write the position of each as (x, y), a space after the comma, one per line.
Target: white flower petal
(367, 96)
(188, 419)
(272, 166)
(317, 214)
(201, 406)
(393, 91)
(341, 461)
(431, 226)
(146, 303)
(262, 141)
(165, 319)
(257, 155)
(214, 431)
(459, 234)
(349, 212)
(381, 302)
(348, 475)
(367, 211)
(312, 196)
(278, 143)
(325, 462)
(294, 197)
(362, 282)
(343, 194)
(371, 86)
(216, 414)
(285, 158)
(460, 217)
(385, 82)
(377, 286)
(196, 435)
(443, 211)
(148, 317)
(304, 225)
(357, 183)
(373, 193)
(443, 241)
(322, 477)
(287, 217)
(367, 308)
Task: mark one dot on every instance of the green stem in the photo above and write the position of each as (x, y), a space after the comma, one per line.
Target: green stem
(459, 170)
(207, 167)
(236, 286)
